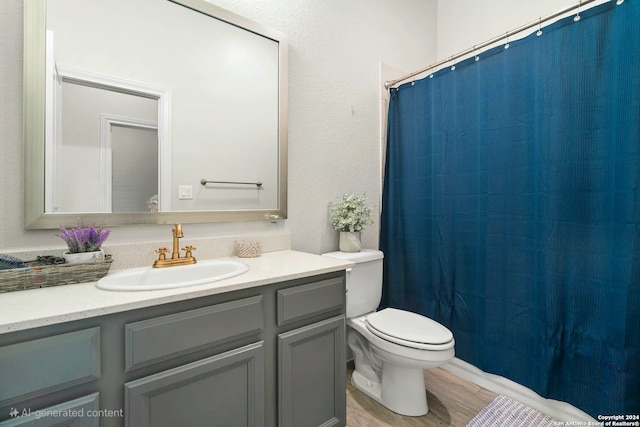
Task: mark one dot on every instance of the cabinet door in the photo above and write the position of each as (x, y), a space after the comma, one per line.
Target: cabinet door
(312, 375)
(222, 390)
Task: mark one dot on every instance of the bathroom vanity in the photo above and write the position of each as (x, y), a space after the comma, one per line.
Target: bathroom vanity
(266, 348)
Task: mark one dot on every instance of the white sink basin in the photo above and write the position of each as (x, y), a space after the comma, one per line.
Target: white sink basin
(149, 278)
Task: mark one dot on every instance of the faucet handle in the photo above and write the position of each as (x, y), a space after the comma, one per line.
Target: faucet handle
(188, 250)
(162, 252)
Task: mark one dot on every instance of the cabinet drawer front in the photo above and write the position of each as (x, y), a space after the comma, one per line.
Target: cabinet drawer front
(36, 367)
(223, 390)
(299, 302)
(81, 412)
(164, 337)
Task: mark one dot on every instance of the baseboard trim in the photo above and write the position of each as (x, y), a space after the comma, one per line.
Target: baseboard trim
(562, 411)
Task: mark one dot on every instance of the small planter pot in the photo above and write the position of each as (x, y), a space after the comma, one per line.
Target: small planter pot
(350, 241)
(83, 257)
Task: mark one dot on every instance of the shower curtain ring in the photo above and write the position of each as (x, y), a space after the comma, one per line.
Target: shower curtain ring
(539, 33)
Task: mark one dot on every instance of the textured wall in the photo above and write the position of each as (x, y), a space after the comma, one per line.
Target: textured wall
(335, 50)
(465, 23)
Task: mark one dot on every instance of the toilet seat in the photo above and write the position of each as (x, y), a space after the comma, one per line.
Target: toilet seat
(409, 329)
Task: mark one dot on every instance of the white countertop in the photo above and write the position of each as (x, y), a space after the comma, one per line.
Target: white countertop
(41, 307)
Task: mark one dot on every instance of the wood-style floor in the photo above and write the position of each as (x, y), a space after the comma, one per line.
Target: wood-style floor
(452, 401)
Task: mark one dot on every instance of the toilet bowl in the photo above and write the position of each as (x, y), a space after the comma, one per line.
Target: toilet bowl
(391, 347)
(393, 372)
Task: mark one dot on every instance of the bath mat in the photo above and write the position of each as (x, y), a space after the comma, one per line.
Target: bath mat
(503, 412)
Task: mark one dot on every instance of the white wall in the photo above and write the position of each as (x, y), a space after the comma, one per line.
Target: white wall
(465, 23)
(335, 50)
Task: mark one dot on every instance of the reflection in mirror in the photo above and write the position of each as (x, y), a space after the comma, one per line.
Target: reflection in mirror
(134, 169)
(108, 137)
(136, 118)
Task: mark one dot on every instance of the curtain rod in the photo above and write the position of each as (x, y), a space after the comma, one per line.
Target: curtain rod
(496, 39)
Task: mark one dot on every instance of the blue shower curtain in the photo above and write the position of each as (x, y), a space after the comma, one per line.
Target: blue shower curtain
(511, 208)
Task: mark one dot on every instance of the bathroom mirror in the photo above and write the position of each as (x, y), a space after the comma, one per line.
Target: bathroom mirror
(151, 112)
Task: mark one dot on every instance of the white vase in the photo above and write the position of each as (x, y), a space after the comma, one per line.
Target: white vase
(350, 241)
(83, 257)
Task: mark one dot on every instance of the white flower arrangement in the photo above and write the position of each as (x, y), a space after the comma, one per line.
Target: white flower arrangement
(350, 213)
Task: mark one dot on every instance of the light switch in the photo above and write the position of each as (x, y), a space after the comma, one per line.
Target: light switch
(185, 192)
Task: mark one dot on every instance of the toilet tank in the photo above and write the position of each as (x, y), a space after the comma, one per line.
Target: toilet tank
(364, 280)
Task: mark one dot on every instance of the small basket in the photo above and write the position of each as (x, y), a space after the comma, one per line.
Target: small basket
(35, 275)
(248, 249)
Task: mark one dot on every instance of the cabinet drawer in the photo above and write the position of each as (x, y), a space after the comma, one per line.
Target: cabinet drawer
(32, 368)
(299, 302)
(81, 412)
(164, 337)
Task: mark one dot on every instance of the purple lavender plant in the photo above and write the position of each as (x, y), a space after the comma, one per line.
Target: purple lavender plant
(83, 239)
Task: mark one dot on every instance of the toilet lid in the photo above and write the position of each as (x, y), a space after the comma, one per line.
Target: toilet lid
(408, 329)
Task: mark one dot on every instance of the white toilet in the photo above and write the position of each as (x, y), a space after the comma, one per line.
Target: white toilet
(391, 347)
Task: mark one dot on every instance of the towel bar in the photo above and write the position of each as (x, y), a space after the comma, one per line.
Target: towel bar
(206, 181)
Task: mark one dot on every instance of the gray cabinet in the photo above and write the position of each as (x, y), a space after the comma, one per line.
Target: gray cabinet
(311, 354)
(166, 337)
(272, 355)
(311, 373)
(26, 368)
(226, 389)
(33, 370)
(81, 412)
(222, 390)
(303, 302)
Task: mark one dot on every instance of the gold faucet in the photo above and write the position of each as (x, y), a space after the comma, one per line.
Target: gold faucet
(175, 259)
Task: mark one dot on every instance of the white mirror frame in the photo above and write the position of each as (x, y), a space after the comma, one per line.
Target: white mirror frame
(34, 113)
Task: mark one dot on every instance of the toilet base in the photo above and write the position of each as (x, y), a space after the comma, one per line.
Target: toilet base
(368, 387)
(402, 390)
